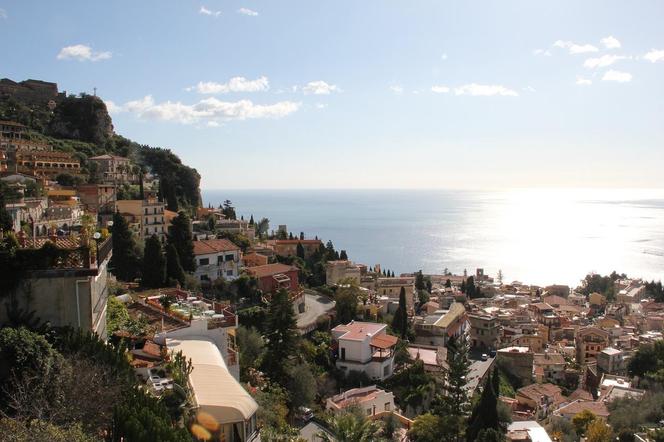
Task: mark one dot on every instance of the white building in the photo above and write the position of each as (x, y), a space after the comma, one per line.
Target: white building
(365, 347)
(216, 258)
(371, 400)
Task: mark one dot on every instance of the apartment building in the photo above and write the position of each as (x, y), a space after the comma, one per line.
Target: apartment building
(216, 258)
(371, 400)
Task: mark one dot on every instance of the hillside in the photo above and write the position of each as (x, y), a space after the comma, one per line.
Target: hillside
(81, 124)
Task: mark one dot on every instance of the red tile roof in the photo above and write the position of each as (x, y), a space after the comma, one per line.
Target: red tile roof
(384, 341)
(208, 246)
(270, 269)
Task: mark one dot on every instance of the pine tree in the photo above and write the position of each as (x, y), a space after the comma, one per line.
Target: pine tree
(251, 220)
(174, 272)
(282, 337)
(154, 264)
(400, 320)
(125, 262)
(180, 237)
(343, 255)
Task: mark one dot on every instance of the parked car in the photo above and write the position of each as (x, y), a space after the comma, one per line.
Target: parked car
(485, 356)
(305, 414)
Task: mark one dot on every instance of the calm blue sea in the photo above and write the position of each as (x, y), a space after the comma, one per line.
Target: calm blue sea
(539, 236)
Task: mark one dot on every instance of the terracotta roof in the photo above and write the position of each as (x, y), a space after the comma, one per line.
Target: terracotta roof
(359, 330)
(580, 394)
(572, 409)
(536, 391)
(208, 246)
(384, 341)
(270, 269)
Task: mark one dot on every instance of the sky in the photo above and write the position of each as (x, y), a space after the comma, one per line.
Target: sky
(366, 94)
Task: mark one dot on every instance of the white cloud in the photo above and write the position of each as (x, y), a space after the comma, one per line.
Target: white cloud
(82, 53)
(397, 89)
(603, 61)
(3, 13)
(443, 57)
(486, 90)
(583, 81)
(113, 108)
(247, 11)
(206, 11)
(654, 55)
(544, 52)
(529, 89)
(210, 111)
(439, 89)
(575, 48)
(321, 105)
(319, 87)
(618, 76)
(235, 84)
(213, 124)
(610, 42)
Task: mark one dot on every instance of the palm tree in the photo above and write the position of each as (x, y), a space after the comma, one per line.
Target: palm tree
(351, 426)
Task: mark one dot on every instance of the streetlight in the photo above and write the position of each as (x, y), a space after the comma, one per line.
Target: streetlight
(97, 238)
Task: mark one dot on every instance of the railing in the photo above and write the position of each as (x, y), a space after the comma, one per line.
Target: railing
(104, 249)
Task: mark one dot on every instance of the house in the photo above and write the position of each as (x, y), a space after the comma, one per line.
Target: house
(541, 398)
(549, 367)
(438, 328)
(484, 331)
(288, 247)
(518, 361)
(568, 411)
(97, 198)
(68, 291)
(147, 214)
(274, 277)
(365, 347)
(114, 168)
(370, 400)
(336, 271)
(48, 164)
(236, 226)
(611, 360)
(589, 342)
(216, 258)
(254, 259)
(527, 431)
(391, 288)
(433, 358)
(536, 343)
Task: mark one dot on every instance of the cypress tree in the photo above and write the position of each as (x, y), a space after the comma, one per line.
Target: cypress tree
(125, 263)
(400, 320)
(300, 251)
(180, 237)
(343, 255)
(485, 413)
(174, 272)
(154, 264)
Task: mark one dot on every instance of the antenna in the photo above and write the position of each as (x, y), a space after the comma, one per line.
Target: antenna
(94, 91)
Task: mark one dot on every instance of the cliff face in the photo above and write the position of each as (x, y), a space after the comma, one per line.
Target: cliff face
(83, 118)
(81, 124)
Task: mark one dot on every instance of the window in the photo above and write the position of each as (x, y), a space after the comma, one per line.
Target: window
(386, 371)
(146, 210)
(229, 273)
(230, 257)
(343, 354)
(220, 259)
(387, 406)
(204, 278)
(204, 261)
(368, 411)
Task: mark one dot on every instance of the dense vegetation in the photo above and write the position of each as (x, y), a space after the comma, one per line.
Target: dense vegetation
(81, 124)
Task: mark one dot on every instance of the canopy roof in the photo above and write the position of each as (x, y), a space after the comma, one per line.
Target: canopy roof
(214, 387)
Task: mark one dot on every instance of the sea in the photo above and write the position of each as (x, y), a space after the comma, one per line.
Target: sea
(535, 236)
